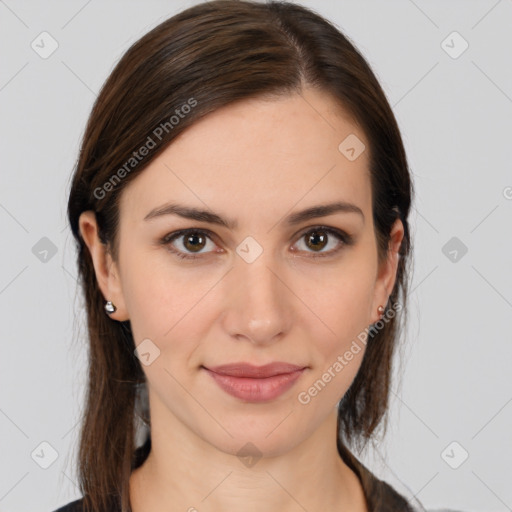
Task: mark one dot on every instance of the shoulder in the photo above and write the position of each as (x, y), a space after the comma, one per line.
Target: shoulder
(112, 505)
(380, 496)
(73, 506)
(383, 497)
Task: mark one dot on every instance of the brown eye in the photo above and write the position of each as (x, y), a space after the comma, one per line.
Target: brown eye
(189, 243)
(316, 240)
(194, 242)
(186, 242)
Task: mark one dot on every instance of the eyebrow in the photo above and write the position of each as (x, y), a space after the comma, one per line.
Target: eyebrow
(313, 212)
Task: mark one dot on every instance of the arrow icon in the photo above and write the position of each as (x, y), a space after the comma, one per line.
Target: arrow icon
(249, 249)
(454, 45)
(44, 250)
(351, 147)
(44, 455)
(147, 352)
(454, 455)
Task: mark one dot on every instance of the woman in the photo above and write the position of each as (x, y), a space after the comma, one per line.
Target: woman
(240, 209)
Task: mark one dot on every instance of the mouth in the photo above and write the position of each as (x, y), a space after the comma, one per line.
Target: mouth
(255, 383)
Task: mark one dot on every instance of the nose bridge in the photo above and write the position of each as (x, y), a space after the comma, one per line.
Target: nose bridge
(258, 307)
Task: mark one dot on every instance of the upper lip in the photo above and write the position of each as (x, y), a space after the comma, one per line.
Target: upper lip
(249, 370)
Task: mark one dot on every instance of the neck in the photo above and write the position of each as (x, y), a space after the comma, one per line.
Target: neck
(185, 472)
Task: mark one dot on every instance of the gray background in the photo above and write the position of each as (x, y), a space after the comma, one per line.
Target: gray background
(456, 118)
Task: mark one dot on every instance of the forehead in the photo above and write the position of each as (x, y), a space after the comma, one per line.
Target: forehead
(258, 156)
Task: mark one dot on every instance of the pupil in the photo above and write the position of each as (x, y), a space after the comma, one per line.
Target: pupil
(192, 238)
(317, 238)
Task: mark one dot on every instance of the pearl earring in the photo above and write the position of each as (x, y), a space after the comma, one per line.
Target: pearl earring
(109, 308)
(380, 309)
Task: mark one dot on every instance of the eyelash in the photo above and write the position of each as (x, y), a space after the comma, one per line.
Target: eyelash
(345, 238)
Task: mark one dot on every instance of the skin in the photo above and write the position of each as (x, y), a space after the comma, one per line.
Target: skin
(255, 162)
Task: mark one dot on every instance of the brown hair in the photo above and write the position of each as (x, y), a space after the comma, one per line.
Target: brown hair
(207, 56)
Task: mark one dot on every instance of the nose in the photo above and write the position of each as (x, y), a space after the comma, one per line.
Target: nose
(259, 304)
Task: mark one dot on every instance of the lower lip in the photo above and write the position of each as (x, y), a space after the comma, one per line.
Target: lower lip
(256, 390)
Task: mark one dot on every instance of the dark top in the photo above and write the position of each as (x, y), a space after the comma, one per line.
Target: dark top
(380, 496)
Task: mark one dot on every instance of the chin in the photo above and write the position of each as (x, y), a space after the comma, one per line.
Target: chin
(266, 437)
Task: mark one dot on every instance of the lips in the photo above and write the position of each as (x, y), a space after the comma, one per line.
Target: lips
(255, 372)
(255, 383)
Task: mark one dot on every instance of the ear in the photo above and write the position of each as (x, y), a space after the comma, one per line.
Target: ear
(387, 271)
(107, 272)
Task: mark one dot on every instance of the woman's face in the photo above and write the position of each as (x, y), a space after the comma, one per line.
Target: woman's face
(265, 285)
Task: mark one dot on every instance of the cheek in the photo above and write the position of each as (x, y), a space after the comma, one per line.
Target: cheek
(145, 293)
(342, 306)
(338, 350)
(340, 299)
(162, 299)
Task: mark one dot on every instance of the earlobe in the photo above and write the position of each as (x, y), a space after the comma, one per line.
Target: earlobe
(105, 268)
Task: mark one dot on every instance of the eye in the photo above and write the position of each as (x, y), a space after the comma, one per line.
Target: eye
(319, 237)
(191, 242)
